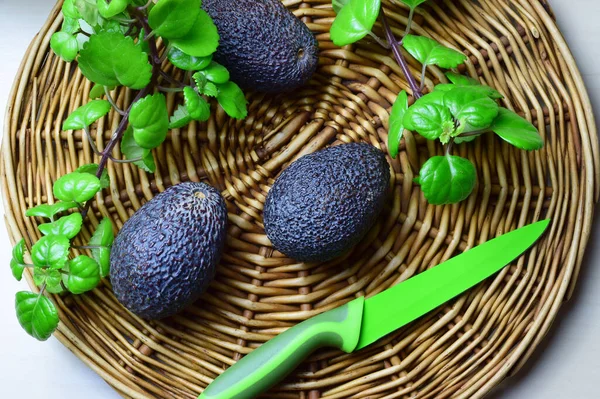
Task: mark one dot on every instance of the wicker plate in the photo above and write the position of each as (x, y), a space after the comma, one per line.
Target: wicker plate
(463, 349)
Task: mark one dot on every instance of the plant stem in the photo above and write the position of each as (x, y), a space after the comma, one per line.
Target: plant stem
(86, 129)
(411, 14)
(88, 246)
(395, 45)
(171, 79)
(115, 160)
(170, 89)
(112, 101)
(379, 40)
(474, 133)
(449, 147)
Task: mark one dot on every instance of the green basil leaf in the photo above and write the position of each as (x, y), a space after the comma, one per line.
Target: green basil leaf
(354, 21)
(49, 211)
(86, 115)
(103, 237)
(17, 263)
(84, 275)
(68, 226)
(447, 179)
(96, 92)
(461, 80)
(413, 3)
(92, 168)
(187, 62)
(232, 100)
(112, 8)
(149, 119)
(516, 130)
(338, 5)
(51, 278)
(181, 117)
(78, 187)
(36, 314)
(214, 72)
(114, 26)
(484, 90)
(70, 26)
(88, 10)
(473, 109)
(430, 120)
(202, 40)
(397, 123)
(69, 10)
(64, 45)
(173, 19)
(196, 106)
(210, 89)
(111, 59)
(132, 150)
(51, 251)
(429, 52)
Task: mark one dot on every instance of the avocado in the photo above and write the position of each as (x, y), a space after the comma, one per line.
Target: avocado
(262, 44)
(325, 202)
(165, 255)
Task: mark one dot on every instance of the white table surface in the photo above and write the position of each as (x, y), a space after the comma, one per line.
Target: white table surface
(566, 365)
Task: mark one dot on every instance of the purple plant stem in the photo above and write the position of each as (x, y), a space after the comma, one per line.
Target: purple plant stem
(400, 59)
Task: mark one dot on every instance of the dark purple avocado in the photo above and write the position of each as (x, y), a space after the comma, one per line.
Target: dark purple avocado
(324, 203)
(262, 44)
(166, 254)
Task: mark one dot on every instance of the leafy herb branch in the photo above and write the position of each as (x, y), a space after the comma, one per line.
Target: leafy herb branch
(116, 43)
(453, 113)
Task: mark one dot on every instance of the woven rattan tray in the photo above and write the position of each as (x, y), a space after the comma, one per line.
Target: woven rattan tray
(461, 350)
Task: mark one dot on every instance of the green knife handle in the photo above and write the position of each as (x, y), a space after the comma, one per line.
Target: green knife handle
(272, 361)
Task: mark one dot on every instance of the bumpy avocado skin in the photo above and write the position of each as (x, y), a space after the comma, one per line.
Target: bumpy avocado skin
(324, 203)
(262, 44)
(165, 255)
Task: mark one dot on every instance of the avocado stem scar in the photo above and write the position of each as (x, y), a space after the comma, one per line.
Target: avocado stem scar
(199, 194)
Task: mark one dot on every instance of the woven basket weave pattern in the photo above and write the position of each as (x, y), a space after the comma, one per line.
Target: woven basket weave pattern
(460, 350)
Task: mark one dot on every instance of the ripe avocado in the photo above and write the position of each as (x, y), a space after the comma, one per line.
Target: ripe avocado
(165, 255)
(262, 44)
(324, 203)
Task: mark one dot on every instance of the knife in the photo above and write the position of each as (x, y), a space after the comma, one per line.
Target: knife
(363, 321)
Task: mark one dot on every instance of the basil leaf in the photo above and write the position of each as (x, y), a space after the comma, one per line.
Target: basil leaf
(69, 10)
(202, 39)
(103, 237)
(132, 150)
(51, 251)
(461, 80)
(64, 45)
(149, 119)
(446, 179)
(187, 62)
(354, 21)
(473, 109)
(92, 168)
(413, 3)
(49, 211)
(210, 89)
(86, 115)
(115, 7)
(88, 10)
(70, 26)
(84, 275)
(214, 72)
(75, 186)
(516, 130)
(111, 59)
(96, 92)
(181, 117)
(396, 123)
(68, 226)
(17, 263)
(51, 278)
(232, 100)
(196, 106)
(338, 5)
(173, 19)
(36, 314)
(429, 52)
(430, 120)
